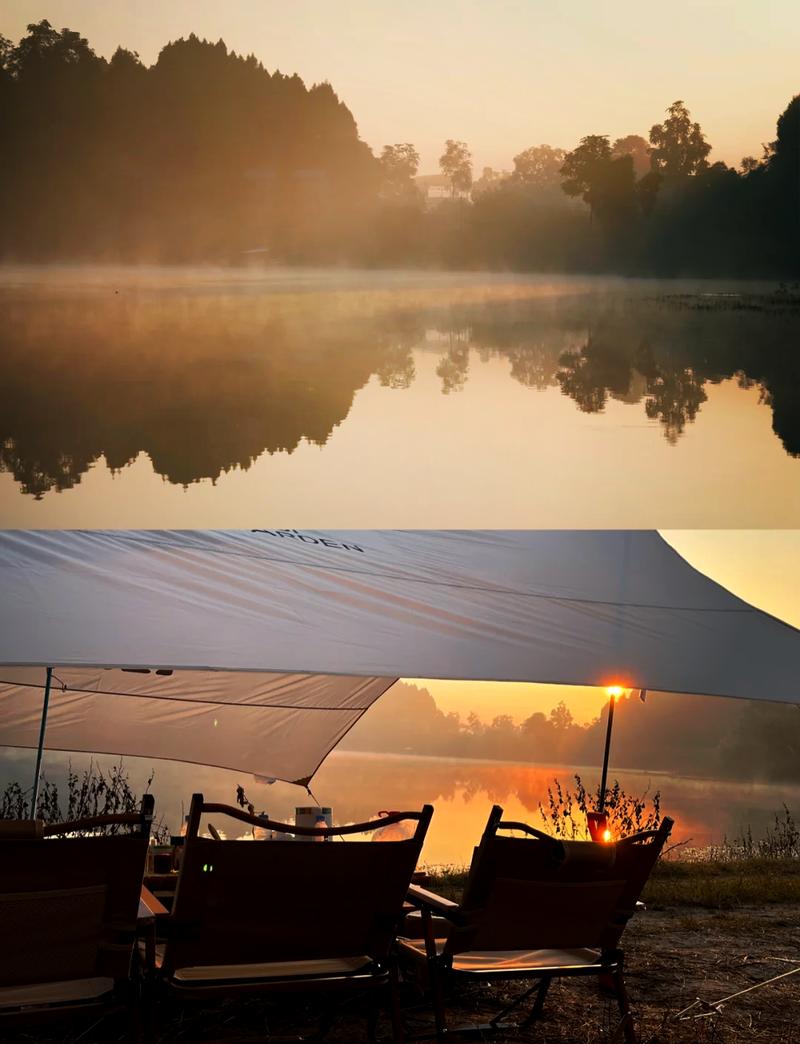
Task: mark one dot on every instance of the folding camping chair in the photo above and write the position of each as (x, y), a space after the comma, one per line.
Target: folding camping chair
(534, 907)
(68, 917)
(285, 916)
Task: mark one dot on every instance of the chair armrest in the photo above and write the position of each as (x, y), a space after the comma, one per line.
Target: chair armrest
(149, 909)
(154, 906)
(425, 899)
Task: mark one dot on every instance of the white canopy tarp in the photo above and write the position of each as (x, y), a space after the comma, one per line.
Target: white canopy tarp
(259, 650)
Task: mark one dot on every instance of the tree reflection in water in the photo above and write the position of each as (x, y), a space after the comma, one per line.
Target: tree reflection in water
(207, 382)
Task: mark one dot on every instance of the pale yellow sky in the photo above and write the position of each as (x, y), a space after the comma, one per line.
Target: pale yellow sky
(761, 566)
(502, 75)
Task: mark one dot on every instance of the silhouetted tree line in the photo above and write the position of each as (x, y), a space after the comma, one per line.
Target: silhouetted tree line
(649, 207)
(688, 735)
(203, 155)
(206, 155)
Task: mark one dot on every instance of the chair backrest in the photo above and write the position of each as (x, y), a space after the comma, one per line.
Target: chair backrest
(68, 906)
(239, 902)
(635, 857)
(538, 892)
(21, 828)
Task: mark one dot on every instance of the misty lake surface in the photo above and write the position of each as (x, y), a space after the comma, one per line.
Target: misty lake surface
(357, 786)
(158, 397)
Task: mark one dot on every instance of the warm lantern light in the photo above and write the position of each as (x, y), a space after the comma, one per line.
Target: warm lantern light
(598, 825)
(614, 691)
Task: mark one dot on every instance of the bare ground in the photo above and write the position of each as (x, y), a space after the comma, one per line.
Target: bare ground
(673, 957)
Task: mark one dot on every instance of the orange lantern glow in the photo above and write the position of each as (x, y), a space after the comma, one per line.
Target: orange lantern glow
(598, 825)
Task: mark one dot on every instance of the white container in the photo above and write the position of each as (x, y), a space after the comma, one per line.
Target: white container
(312, 816)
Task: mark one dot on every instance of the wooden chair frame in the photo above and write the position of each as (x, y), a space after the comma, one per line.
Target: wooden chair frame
(124, 997)
(636, 855)
(188, 922)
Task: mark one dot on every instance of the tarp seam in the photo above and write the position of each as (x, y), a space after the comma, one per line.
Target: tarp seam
(62, 687)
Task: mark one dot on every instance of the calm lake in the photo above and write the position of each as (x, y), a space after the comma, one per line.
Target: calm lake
(357, 786)
(227, 398)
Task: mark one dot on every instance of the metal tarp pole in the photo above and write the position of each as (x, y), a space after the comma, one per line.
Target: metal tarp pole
(604, 777)
(614, 690)
(40, 748)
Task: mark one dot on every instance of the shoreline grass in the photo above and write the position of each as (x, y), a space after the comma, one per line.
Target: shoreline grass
(710, 884)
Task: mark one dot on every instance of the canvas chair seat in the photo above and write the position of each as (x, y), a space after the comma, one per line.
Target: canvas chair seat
(44, 994)
(265, 971)
(330, 967)
(412, 923)
(484, 963)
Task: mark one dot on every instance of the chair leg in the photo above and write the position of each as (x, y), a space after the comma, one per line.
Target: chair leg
(437, 996)
(497, 1021)
(137, 1028)
(628, 1028)
(395, 1013)
(536, 1010)
(373, 1010)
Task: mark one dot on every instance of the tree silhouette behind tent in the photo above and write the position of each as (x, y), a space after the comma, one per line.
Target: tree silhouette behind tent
(456, 165)
(584, 169)
(539, 165)
(783, 168)
(635, 146)
(728, 739)
(678, 146)
(399, 166)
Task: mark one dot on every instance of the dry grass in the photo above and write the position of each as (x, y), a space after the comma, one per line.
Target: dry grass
(724, 885)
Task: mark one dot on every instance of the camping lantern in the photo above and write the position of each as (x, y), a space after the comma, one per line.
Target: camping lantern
(598, 827)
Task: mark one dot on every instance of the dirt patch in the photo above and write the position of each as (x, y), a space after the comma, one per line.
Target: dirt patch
(673, 957)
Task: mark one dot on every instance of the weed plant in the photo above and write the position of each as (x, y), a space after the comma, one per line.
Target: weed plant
(91, 793)
(564, 812)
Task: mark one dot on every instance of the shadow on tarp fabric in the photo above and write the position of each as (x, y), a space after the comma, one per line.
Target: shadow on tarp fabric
(259, 650)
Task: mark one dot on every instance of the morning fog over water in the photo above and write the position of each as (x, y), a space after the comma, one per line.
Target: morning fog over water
(359, 785)
(183, 397)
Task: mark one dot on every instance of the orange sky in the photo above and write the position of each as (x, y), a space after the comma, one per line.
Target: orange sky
(761, 566)
(502, 75)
